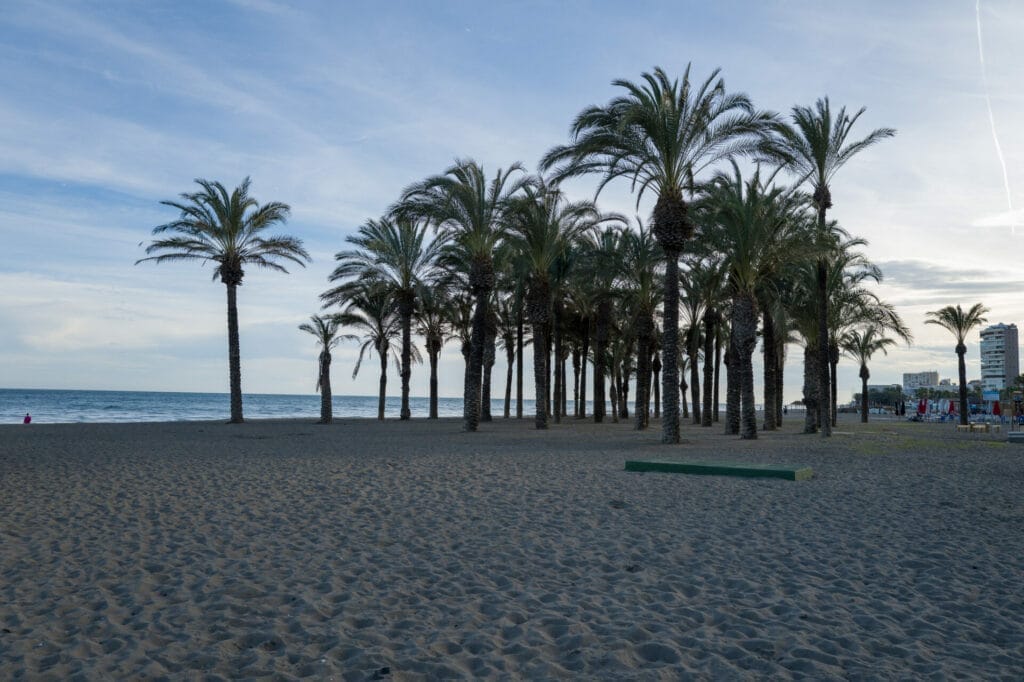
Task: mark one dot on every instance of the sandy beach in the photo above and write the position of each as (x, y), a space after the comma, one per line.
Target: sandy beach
(408, 551)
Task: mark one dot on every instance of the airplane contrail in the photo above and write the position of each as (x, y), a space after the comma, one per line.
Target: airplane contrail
(992, 118)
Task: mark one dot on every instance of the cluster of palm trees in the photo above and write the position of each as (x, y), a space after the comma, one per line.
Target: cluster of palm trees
(509, 260)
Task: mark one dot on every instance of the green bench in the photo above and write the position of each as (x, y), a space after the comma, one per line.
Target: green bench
(790, 473)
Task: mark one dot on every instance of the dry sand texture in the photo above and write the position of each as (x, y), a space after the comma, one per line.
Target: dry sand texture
(415, 551)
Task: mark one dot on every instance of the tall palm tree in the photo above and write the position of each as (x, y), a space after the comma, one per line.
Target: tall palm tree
(227, 229)
(432, 320)
(542, 227)
(371, 309)
(959, 322)
(399, 254)
(325, 330)
(861, 344)
(814, 148)
(468, 211)
(660, 135)
(506, 309)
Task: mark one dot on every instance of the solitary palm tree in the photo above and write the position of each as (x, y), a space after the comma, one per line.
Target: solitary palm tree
(959, 323)
(861, 344)
(813, 148)
(469, 212)
(227, 229)
(325, 330)
(660, 135)
(398, 254)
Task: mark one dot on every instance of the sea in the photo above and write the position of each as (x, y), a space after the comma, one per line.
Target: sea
(63, 407)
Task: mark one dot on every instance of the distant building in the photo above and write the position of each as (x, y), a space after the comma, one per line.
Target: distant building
(919, 380)
(1000, 356)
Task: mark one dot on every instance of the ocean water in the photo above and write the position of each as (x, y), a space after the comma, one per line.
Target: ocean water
(49, 406)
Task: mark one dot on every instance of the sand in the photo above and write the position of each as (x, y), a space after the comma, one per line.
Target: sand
(408, 551)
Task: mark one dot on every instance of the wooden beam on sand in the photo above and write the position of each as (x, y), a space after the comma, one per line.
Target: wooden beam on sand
(790, 473)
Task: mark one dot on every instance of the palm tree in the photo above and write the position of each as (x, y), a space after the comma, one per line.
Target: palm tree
(542, 227)
(398, 254)
(325, 330)
(660, 135)
(813, 148)
(959, 322)
(432, 319)
(371, 309)
(468, 211)
(227, 229)
(861, 344)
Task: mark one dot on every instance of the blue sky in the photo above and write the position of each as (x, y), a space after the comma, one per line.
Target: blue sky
(333, 108)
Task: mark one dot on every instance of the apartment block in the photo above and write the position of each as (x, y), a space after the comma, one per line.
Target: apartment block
(1000, 356)
(915, 380)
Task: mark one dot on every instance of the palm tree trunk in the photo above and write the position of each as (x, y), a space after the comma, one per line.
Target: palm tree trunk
(549, 366)
(780, 355)
(682, 391)
(576, 381)
(558, 365)
(474, 373)
(604, 312)
(864, 376)
(433, 353)
(770, 368)
(624, 390)
(382, 393)
(540, 372)
(565, 390)
(613, 392)
(745, 323)
(811, 387)
(326, 408)
(823, 374)
(670, 344)
(965, 410)
(519, 362)
(234, 356)
(584, 354)
(833, 363)
(538, 303)
(733, 383)
(490, 341)
(695, 372)
(656, 383)
(509, 358)
(709, 369)
(405, 307)
(644, 332)
(718, 369)
(467, 358)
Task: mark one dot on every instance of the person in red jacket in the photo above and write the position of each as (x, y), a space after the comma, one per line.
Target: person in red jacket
(27, 419)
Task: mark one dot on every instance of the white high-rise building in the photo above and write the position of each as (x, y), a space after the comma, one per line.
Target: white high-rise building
(1000, 363)
(916, 380)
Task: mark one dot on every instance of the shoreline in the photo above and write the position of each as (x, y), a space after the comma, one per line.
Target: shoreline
(285, 547)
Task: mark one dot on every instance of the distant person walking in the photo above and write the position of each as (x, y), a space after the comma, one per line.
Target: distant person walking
(27, 419)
